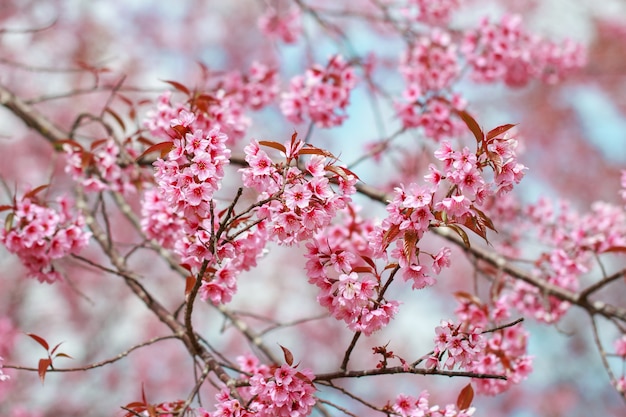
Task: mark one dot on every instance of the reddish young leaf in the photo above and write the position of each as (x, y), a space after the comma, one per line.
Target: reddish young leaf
(466, 396)
(163, 148)
(35, 191)
(97, 143)
(117, 118)
(54, 349)
(58, 144)
(189, 284)
(178, 86)
(461, 234)
(616, 249)
(288, 355)
(5, 207)
(473, 125)
(497, 131)
(63, 355)
(42, 368)
(410, 243)
(272, 144)
(369, 261)
(362, 269)
(465, 296)
(39, 340)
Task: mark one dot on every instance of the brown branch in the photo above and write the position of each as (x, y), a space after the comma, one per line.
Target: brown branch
(402, 370)
(97, 364)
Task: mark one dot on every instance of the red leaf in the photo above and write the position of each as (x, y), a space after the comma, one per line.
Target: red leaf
(117, 118)
(497, 131)
(465, 296)
(39, 340)
(163, 148)
(189, 284)
(64, 355)
(288, 355)
(464, 401)
(43, 367)
(34, 191)
(616, 249)
(390, 235)
(362, 269)
(472, 124)
(72, 143)
(178, 86)
(369, 261)
(54, 349)
(461, 234)
(6, 207)
(97, 143)
(410, 243)
(274, 145)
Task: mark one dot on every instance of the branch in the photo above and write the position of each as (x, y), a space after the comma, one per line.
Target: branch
(402, 370)
(97, 364)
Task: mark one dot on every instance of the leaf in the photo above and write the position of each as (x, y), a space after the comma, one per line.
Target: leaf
(472, 124)
(43, 367)
(470, 298)
(369, 261)
(64, 355)
(117, 118)
(54, 349)
(97, 143)
(484, 219)
(58, 144)
(163, 148)
(189, 284)
(497, 131)
(464, 401)
(362, 269)
(288, 355)
(615, 249)
(389, 235)
(461, 234)
(349, 172)
(275, 145)
(410, 242)
(39, 340)
(8, 222)
(178, 86)
(34, 191)
(5, 207)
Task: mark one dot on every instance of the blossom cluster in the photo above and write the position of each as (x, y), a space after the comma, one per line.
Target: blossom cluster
(573, 241)
(100, 169)
(321, 94)
(38, 235)
(221, 106)
(182, 205)
(505, 52)
(409, 406)
(283, 25)
(432, 12)
(277, 391)
(297, 197)
(340, 264)
(470, 345)
(429, 69)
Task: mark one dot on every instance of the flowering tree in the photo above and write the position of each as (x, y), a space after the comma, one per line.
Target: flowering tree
(220, 243)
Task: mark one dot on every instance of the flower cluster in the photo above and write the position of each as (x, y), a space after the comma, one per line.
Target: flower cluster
(100, 169)
(429, 68)
(322, 94)
(278, 391)
(182, 205)
(340, 264)
(574, 241)
(461, 347)
(433, 12)
(286, 26)
(296, 202)
(222, 106)
(409, 406)
(504, 51)
(503, 352)
(38, 235)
